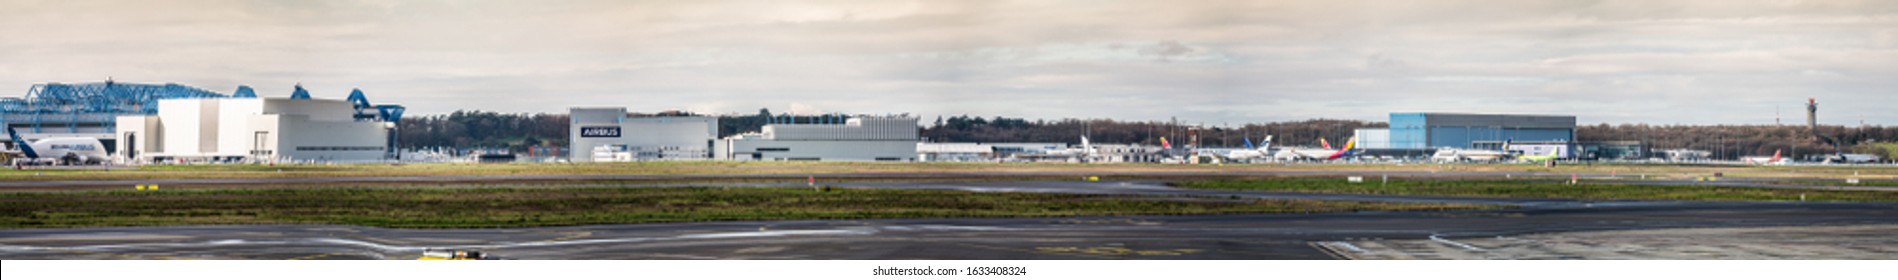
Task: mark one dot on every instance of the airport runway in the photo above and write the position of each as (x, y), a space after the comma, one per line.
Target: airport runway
(1254, 236)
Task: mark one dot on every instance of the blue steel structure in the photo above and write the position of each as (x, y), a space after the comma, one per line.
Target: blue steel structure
(63, 108)
(92, 108)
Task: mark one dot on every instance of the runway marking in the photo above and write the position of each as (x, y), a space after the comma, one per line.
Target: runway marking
(1328, 250)
(1348, 246)
(1024, 251)
(109, 254)
(1434, 237)
(1117, 251)
(311, 257)
(1109, 221)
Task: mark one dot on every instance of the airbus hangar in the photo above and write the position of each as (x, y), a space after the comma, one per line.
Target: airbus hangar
(294, 129)
(859, 138)
(611, 134)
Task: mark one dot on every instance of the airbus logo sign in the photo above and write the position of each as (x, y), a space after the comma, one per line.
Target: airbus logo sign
(599, 131)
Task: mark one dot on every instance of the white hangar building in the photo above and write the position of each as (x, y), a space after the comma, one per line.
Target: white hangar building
(610, 134)
(253, 129)
(861, 138)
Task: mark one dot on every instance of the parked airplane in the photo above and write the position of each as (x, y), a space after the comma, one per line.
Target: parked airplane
(1454, 155)
(1083, 154)
(1553, 154)
(1307, 153)
(62, 150)
(1251, 152)
(1773, 160)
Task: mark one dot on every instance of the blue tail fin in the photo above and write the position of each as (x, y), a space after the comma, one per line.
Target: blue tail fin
(21, 142)
(1248, 142)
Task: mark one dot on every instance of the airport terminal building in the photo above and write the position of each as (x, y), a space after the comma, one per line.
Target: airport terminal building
(861, 138)
(612, 135)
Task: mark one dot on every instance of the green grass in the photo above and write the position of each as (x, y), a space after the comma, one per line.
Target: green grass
(522, 207)
(1537, 189)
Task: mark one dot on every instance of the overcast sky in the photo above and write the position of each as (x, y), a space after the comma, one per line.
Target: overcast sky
(1215, 62)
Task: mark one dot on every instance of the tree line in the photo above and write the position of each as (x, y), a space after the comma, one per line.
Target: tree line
(1735, 141)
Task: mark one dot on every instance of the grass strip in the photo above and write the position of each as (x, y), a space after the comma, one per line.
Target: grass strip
(1538, 189)
(525, 207)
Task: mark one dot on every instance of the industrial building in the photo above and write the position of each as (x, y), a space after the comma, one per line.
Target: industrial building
(95, 110)
(978, 152)
(860, 138)
(294, 129)
(89, 109)
(1611, 150)
(1465, 131)
(954, 152)
(610, 134)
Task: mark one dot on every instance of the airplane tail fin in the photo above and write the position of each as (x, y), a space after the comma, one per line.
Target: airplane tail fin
(1086, 147)
(21, 143)
(1327, 145)
(1248, 142)
(1346, 151)
(1266, 144)
(1775, 156)
(1164, 144)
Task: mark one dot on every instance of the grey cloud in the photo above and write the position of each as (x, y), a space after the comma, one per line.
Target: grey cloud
(1211, 61)
(1167, 49)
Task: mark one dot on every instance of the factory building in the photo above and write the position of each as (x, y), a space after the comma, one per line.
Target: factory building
(89, 109)
(1611, 150)
(981, 152)
(296, 129)
(954, 152)
(861, 138)
(1466, 131)
(207, 121)
(1373, 138)
(611, 134)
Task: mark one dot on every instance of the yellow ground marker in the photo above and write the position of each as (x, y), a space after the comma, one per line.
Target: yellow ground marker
(140, 187)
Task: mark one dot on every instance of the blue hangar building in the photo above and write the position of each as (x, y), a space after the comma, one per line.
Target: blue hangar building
(1466, 131)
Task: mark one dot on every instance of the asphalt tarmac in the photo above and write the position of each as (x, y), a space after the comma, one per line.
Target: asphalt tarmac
(1254, 236)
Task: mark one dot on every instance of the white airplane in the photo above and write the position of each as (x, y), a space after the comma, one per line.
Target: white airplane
(1325, 153)
(1773, 160)
(68, 150)
(1455, 155)
(1250, 152)
(1083, 154)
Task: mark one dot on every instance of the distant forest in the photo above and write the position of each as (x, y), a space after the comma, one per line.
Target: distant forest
(469, 129)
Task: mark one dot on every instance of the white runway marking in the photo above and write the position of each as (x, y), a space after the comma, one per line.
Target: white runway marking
(1434, 237)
